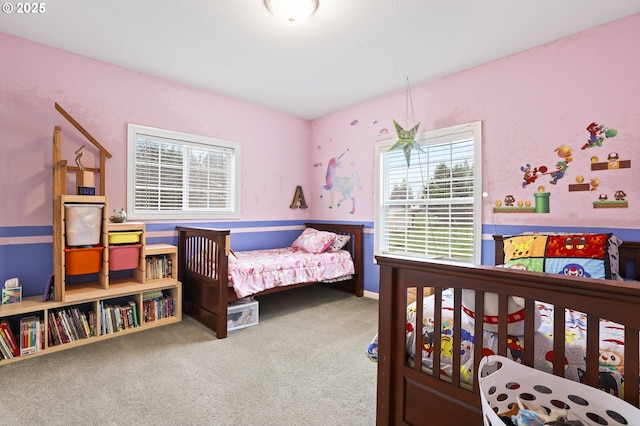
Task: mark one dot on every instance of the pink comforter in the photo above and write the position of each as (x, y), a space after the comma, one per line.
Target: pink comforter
(258, 270)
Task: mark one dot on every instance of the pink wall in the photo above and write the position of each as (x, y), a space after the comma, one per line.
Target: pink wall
(103, 98)
(530, 104)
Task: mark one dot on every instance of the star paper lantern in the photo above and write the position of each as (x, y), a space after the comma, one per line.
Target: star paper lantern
(406, 141)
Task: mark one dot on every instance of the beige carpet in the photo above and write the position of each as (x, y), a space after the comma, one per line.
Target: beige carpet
(303, 364)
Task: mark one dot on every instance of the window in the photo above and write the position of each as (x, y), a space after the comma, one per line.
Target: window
(432, 207)
(175, 175)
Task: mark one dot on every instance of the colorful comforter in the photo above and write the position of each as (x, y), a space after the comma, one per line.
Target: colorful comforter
(611, 346)
(257, 270)
(578, 255)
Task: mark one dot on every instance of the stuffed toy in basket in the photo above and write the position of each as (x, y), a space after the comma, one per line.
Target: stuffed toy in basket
(512, 393)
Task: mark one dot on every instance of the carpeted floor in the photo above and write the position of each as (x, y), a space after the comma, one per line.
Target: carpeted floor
(303, 364)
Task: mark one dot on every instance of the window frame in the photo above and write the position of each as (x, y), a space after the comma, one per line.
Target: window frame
(188, 140)
(431, 137)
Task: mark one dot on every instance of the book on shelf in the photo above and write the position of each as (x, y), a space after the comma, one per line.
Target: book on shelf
(92, 323)
(10, 337)
(42, 332)
(85, 324)
(106, 319)
(49, 289)
(55, 329)
(29, 335)
(77, 316)
(159, 267)
(150, 295)
(102, 324)
(54, 333)
(5, 350)
(134, 312)
(67, 325)
(158, 306)
(115, 318)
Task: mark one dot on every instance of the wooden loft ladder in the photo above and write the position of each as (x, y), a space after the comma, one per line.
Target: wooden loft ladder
(60, 171)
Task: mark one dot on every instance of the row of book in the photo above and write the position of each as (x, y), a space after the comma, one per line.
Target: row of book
(159, 267)
(116, 318)
(70, 324)
(157, 305)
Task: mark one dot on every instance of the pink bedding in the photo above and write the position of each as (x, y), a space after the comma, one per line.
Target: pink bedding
(256, 270)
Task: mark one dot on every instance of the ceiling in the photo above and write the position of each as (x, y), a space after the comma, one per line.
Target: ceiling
(350, 51)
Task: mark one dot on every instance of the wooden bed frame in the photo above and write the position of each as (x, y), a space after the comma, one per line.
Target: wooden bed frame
(206, 292)
(410, 394)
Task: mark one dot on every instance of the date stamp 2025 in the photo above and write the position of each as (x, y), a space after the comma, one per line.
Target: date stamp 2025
(24, 8)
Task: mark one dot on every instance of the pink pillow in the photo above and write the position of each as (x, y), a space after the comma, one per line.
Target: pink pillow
(313, 241)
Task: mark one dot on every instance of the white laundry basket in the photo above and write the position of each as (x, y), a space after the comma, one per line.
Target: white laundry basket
(500, 389)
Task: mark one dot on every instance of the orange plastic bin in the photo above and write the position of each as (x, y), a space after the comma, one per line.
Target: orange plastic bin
(81, 261)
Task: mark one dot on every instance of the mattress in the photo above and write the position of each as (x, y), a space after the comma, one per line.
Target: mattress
(257, 270)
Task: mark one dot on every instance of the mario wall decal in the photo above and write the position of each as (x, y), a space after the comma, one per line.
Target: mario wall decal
(541, 203)
(530, 174)
(597, 134)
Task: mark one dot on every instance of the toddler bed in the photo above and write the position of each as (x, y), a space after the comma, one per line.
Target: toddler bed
(521, 327)
(213, 275)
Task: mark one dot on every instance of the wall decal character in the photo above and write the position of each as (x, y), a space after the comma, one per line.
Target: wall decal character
(531, 174)
(620, 195)
(561, 168)
(342, 184)
(564, 152)
(618, 201)
(597, 134)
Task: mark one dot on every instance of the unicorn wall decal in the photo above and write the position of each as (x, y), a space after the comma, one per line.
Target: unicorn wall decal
(342, 184)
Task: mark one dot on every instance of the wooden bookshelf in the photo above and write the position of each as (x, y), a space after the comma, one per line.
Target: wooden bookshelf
(84, 278)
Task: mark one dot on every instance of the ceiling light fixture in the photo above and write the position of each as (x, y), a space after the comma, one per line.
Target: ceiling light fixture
(292, 12)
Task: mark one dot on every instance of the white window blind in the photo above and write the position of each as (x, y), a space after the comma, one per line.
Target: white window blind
(175, 175)
(431, 208)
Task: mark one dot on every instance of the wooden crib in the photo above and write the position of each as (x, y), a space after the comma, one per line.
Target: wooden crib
(410, 394)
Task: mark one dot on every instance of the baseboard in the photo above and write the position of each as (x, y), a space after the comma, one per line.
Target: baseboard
(370, 294)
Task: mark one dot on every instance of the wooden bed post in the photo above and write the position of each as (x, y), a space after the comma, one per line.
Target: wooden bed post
(222, 257)
(385, 317)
